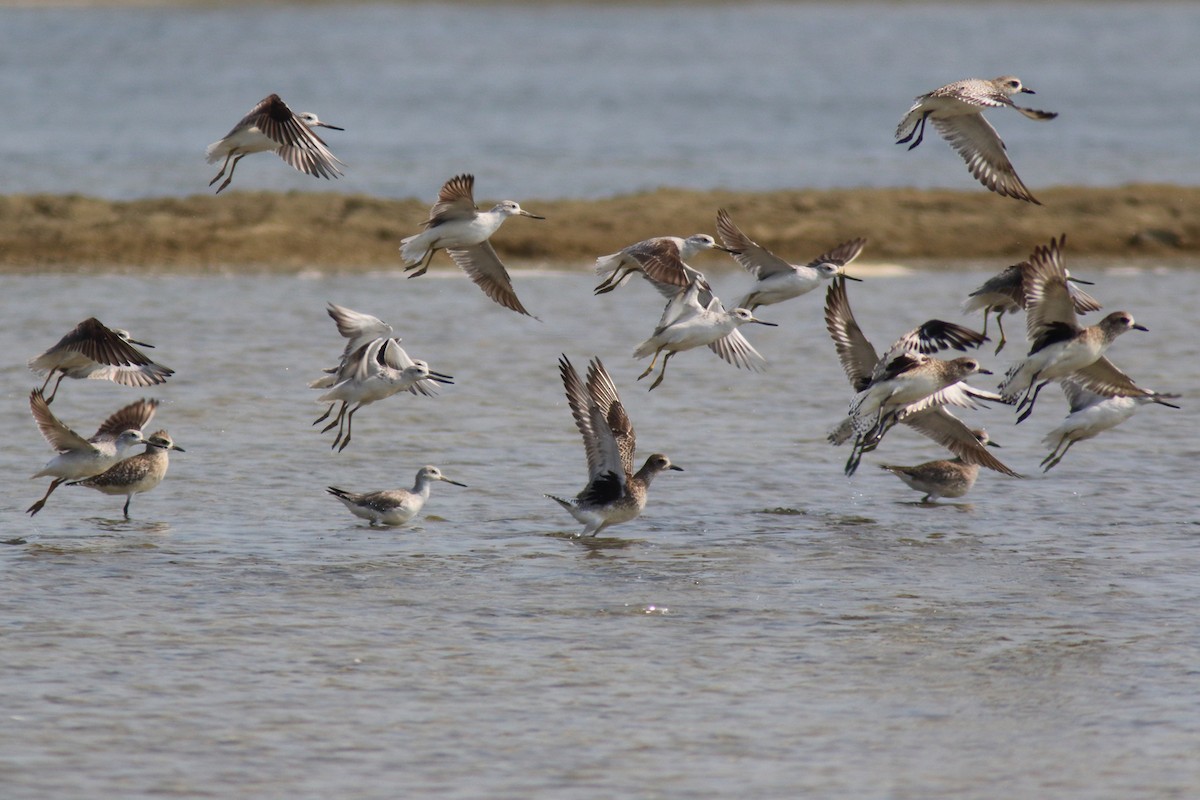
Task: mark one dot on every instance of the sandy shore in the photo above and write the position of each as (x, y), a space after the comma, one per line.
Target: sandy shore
(298, 230)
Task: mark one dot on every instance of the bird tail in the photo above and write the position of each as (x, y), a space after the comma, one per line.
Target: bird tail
(213, 153)
(567, 504)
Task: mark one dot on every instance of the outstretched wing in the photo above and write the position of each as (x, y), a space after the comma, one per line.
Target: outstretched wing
(483, 266)
(456, 200)
(857, 356)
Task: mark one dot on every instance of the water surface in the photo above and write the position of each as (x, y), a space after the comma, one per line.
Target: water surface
(768, 628)
(584, 101)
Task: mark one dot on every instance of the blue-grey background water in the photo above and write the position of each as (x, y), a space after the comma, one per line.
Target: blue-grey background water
(768, 628)
(547, 101)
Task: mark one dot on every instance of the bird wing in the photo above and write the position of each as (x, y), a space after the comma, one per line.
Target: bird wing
(483, 266)
(94, 340)
(1084, 303)
(148, 375)
(134, 416)
(854, 351)
(299, 146)
(952, 433)
(356, 326)
(935, 335)
(599, 442)
(1006, 284)
(682, 304)
(841, 255)
(974, 138)
(456, 200)
(1048, 304)
(734, 348)
(753, 257)
(60, 437)
(1103, 377)
(608, 407)
(1079, 398)
(391, 354)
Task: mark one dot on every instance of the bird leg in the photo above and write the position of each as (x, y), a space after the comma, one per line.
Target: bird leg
(663, 373)
(232, 167)
(1030, 401)
(650, 368)
(349, 426)
(36, 507)
(1051, 461)
(128, 500)
(855, 456)
(222, 172)
(337, 421)
(920, 126)
(61, 375)
(422, 263)
(612, 281)
(1000, 325)
(325, 416)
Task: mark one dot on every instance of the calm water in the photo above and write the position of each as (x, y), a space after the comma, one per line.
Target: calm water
(583, 101)
(767, 629)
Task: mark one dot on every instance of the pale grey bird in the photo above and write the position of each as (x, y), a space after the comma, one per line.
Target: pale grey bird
(377, 370)
(94, 351)
(952, 477)
(272, 126)
(1092, 414)
(137, 474)
(80, 458)
(956, 110)
(392, 506)
(614, 492)
(776, 279)
(456, 225)
(694, 317)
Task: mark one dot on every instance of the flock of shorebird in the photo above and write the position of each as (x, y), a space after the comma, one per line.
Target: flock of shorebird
(908, 384)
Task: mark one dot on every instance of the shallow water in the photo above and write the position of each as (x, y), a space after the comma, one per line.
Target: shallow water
(768, 628)
(585, 101)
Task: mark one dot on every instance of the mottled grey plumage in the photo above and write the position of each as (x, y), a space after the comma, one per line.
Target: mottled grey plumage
(614, 492)
(956, 110)
(137, 474)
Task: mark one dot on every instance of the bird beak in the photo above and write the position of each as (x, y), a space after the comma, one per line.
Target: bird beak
(676, 468)
(727, 250)
(1027, 90)
(992, 444)
(1137, 327)
(177, 447)
(1081, 281)
(985, 372)
(525, 213)
(850, 277)
(140, 344)
(440, 378)
(456, 483)
(764, 322)
(331, 127)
